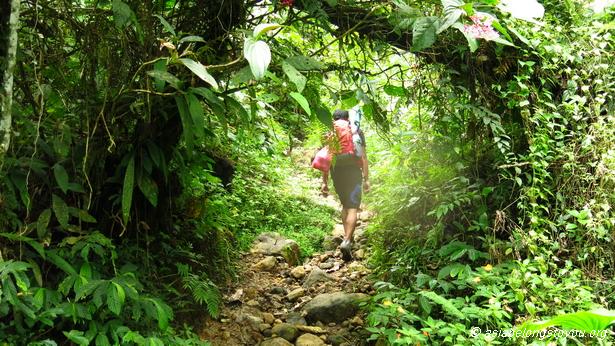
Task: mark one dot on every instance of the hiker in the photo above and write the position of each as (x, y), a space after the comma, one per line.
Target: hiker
(350, 175)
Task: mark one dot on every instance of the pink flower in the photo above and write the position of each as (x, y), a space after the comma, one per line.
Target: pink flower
(481, 28)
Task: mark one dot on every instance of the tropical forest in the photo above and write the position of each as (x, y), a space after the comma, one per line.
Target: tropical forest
(307, 172)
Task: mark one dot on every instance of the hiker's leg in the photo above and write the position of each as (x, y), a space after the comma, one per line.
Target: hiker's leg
(349, 218)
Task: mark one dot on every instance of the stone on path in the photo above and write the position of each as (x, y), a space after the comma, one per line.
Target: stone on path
(333, 307)
(309, 340)
(295, 294)
(316, 275)
(275, 342)
(298, 272)
(271, 243)
(267, 264)
(331, 242)
(286, 331)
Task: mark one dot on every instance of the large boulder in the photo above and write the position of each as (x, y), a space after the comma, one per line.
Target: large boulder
(272, 243)
(333, 307)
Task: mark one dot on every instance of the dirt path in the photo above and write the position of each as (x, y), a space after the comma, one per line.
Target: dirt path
(278, 302)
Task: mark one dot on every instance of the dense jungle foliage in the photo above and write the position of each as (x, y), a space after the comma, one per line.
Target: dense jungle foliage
(146, 143)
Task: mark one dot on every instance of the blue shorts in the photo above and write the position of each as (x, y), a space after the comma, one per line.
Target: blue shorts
(347, 181)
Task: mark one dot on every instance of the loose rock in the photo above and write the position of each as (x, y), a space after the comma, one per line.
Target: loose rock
(276, 342)
(316, 276)
(296, 293)
(298, 272)
(266, 264)
(309, 340)
(286, 331)
(333, 307)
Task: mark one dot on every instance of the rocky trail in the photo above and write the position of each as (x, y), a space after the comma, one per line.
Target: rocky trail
(279, 301)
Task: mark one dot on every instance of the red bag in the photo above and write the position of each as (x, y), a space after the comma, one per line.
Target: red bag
(322, 160)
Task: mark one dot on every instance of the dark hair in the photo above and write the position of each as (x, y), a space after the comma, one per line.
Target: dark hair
(340, 114)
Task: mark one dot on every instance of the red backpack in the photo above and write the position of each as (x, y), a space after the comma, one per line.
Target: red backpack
(345, 153)
(344, 136)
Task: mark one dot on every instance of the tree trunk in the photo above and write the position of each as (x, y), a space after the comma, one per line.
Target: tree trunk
(9, 20)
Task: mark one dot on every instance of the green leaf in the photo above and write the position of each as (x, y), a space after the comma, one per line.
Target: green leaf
(236, 108)
(452, 12)
(122, 14)
(192, 38)
(198, 69)
(149, 188)
(303, 102)
(184, 115)
(304, 63)
(167, 26)
(258, 55)
(424, 33)
(324, 115)
(394, 90)
(102, 340)
(160, 75)
(294, 76)
(446, 304)
(42, 222)
(77, 337)
(586, 321)
(263, 28)
(61, 263)
(244, 75)
(196, 114)
(115, 298)
(163, 313)
(127, 189)
(60, 209)
(61, 177)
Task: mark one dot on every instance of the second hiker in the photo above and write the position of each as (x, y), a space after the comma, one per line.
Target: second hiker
(349, 172)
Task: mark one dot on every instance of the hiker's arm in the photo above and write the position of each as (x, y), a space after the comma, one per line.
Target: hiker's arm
(365, 168)
(324, 188)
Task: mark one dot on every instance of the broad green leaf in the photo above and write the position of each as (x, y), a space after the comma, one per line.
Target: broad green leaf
(586, 321)
(163, 314)
(160, 75)
(294, 76)
(236, 108)
(184, 115)
(196, 114)
(122, 13)
(263, 28)
(115, 298)
(160, 65)
(258, 55)
(61, 263)
(60, 209)
(304, 63)
(77, 337)
(167, 26)
(394, 90)
(242, 76)
(86, 270)
(452, 12)
(42, 222)
(302, 101)
(102, 340)
(128, 188)
(152, 341)
(192, 38)
(36, 270)
(198, 69)
(424, 33)
(84, 216)
(324, 115)
(446, 304)
(149, 189)
(61, 177)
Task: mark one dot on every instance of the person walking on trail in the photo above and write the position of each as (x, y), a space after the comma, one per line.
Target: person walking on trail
(349, 172)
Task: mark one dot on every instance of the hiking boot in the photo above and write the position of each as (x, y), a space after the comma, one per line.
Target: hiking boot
(346, 249)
